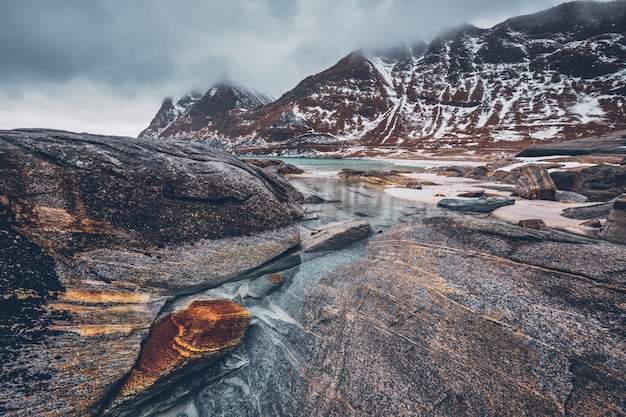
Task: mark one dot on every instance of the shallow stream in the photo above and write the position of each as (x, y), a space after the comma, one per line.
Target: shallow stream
(348, 200)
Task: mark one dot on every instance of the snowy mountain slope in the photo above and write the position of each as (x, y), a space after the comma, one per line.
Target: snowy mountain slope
(211, 111)
(555, 75)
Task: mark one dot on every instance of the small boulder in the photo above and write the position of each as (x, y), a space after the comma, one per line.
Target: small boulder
(508, 177)
(334, 235)
(537, 224)
(449, 171)
(472, 194)
(595, 223)
(482, 205)
(415, 185)
(534, 183)
(480, 173)
(614, 229)
(570, 196)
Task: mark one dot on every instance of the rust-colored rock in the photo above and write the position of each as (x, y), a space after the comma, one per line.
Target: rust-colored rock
(180, 343)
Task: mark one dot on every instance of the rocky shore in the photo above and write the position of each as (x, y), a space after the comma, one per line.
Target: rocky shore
(154, 278)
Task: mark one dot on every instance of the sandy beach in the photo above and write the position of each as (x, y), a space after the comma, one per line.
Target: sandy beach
(548, 211)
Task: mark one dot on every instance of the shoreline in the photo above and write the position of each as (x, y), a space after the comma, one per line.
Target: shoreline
(451, 187)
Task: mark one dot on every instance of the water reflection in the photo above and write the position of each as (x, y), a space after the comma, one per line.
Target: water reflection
(347, 200)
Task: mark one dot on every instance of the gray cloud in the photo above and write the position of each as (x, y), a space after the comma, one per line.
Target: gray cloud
(143, 50)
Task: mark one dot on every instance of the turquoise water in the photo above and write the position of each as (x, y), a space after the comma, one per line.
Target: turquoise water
(334, 165)
(348, 200)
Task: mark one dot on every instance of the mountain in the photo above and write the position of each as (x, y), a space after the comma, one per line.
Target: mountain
(555, 75)
(205, 114)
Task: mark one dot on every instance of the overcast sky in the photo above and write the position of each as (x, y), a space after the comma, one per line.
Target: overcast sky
(105, 66)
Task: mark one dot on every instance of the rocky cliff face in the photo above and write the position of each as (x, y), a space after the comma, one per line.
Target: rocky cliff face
(98, 234)
(551, 76)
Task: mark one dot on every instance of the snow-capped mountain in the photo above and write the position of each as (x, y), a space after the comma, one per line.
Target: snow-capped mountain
(208, 113)
(555, 75)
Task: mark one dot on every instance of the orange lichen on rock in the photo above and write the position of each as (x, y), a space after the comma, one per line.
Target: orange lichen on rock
(187, 339)
(275, 278)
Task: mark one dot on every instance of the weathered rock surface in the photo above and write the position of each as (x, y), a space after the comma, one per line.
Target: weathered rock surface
(537, 224)
(535, 183)
(599, 183)
(100, 233)
(444, 317)
(275, 165)
(482, 173)
(449, 171)
(178, 343)
(334, 235)
(595, 211)
(570, 196)
(479, 205)
(508, 177)
(414, 185)
(615, 227)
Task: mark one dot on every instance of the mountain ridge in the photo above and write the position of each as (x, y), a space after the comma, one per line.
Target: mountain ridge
(555, 75)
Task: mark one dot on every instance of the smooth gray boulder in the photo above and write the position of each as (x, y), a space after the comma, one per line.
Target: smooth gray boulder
(564, 196)
(334, 235)
(479, 205)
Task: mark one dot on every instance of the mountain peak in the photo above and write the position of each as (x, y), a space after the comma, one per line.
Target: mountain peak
(195, 111)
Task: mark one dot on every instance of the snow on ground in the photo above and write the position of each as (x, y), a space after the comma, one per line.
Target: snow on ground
(589, 110)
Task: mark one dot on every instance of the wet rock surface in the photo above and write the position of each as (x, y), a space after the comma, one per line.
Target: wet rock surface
(447, 316)
(100, 233)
